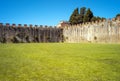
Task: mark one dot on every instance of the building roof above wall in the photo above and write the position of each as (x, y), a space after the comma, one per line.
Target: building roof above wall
(63, 24)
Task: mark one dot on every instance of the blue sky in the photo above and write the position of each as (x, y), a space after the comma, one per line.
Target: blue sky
(50, 12)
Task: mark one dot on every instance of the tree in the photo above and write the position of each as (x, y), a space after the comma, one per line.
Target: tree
(103, 18)
(83, 16)
(88, 16)
(74, 17)
(117, 15)
(82, 13)
(94, 18)
(97, 18)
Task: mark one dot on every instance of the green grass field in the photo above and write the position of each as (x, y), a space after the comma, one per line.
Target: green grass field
(59, 62)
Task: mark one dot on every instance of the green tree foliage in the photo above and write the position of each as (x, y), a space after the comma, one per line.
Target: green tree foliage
(94, 18)
(97, 18)
(117, 15)
(74, 17)
(88, 16)
(83, 16)
(82, 13)
(77, 18)
(103, 18)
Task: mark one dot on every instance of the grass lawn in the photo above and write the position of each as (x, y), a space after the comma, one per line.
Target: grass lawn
(59, 62)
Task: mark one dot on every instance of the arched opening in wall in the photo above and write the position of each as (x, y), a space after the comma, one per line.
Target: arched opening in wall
(28, 39)
(95, 38)
(65, 38)
(15, 39)
(36, 39)
(3, 40)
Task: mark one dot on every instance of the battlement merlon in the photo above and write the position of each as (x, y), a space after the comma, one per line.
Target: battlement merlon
(13, 25)
(19, 25)
(115, 20)
(1, 24)
(25, 25)
(7, 24)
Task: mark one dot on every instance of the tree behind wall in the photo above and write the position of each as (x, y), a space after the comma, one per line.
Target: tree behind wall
(74, 17)
(97, 18)
(77, 18)
(117, 15)
(82, 13)
(88, 16)
(84, 16)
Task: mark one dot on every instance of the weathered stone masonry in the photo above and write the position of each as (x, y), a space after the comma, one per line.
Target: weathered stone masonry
(23, 34)
(107, 31)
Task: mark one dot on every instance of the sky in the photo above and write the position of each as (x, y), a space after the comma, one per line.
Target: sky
(51, 12)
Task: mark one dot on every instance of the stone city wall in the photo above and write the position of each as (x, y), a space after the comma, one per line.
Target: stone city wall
(26, 34)
(106, 31)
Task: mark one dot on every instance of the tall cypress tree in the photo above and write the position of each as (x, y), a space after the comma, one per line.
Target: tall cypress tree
(82, 13)
(74, 17)
(88, 16)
